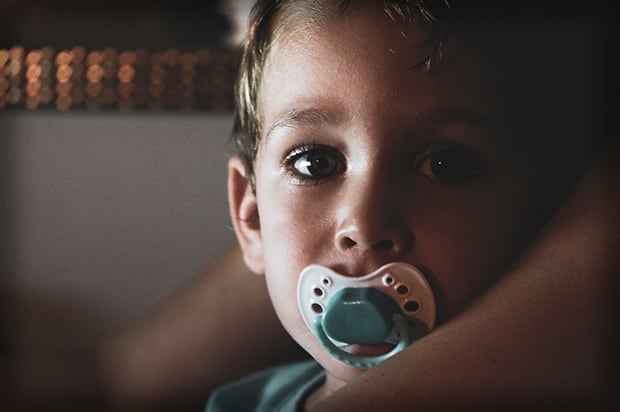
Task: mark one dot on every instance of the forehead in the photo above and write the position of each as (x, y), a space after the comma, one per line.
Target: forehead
(334, 29)
(364, 61)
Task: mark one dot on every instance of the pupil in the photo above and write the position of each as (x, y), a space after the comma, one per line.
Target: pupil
(447, 165)
(321, 165)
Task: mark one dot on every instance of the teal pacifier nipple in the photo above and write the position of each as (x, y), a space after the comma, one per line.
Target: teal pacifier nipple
(360, 315)
(391, 307)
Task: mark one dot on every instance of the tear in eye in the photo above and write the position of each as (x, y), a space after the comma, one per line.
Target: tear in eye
(450, 165)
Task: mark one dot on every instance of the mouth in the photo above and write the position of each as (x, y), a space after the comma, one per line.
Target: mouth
(376, 349)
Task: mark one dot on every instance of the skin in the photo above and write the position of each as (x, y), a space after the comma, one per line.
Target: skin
(357, 105)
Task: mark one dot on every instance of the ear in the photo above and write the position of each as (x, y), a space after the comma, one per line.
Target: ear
(244, 214)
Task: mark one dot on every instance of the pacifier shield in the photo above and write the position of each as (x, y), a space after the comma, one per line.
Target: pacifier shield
(393, 304)
(360, 315)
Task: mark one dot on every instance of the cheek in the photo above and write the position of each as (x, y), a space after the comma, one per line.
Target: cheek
(296, 229)
(465, 250)
(293, 237)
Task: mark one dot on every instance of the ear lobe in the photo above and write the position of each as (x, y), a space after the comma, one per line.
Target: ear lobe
(244, 214)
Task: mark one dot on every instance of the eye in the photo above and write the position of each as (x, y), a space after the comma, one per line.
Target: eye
(449, 165)
(315, 162)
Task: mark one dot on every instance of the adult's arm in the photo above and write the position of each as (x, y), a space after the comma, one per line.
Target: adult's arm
(540, 336)
(219, 327)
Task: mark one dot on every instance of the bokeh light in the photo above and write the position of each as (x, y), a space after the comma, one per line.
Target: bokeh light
(112, 79)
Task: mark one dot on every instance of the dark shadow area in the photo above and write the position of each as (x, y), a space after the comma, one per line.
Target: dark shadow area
(7, 233)
(55, 361)
(8, 300)
(154, 25)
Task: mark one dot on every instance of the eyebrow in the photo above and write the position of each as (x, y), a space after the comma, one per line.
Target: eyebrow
(304, 118)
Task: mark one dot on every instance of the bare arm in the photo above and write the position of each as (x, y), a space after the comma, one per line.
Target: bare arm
(217, 328)
(539, 336)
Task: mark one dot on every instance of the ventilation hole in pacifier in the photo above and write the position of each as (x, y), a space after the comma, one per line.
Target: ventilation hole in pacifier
(316, 308)
(388, 280)
(402, 289)
(318, 292)
(412, 306)
(326, 281)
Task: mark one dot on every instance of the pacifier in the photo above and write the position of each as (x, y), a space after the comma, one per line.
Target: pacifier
(393, 305)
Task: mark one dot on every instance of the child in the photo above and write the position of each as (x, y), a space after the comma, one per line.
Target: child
(372, 133)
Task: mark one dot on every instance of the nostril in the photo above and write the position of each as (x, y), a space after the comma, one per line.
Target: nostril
(386, 245)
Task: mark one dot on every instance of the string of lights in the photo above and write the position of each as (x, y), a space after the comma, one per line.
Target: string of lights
(122, 80)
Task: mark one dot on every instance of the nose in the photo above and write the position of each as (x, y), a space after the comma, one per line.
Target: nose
(372, 219)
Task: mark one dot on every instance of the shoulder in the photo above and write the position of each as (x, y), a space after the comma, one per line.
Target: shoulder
(281, 388)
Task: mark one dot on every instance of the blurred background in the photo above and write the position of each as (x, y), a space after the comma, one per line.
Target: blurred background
(114, 124)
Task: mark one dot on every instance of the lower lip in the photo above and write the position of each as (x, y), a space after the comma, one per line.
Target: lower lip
(369, 350)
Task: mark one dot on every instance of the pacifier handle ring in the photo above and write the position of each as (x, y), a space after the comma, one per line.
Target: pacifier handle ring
(363, 362)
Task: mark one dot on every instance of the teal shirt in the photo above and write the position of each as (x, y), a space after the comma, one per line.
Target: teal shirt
(283, 388)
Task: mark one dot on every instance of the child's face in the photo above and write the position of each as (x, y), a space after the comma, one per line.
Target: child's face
(365, 160)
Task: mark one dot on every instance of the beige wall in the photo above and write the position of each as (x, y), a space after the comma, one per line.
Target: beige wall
(106, 214)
